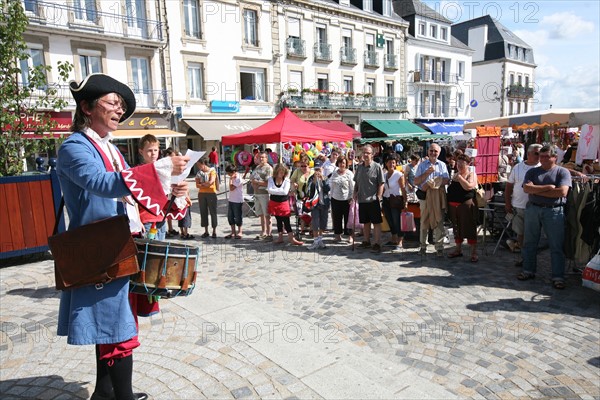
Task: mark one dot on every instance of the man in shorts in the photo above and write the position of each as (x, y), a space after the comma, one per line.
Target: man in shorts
(259, 179)
(516, 199)
(368, 192)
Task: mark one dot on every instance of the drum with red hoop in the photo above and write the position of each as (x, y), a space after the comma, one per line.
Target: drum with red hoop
(166, 269)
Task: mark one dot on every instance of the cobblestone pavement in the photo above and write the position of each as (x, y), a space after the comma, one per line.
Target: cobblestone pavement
(273, 321)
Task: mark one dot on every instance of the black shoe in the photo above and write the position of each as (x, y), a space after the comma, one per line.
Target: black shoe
(519, 263)
(140, 396)
(96, 396)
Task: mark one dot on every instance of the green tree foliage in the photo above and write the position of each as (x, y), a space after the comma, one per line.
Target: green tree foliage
(19, 99)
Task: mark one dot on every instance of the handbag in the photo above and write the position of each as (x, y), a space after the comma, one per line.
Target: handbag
(385, 226)
(480, 197)
(396, 202)
(93, 254)
(407, 222)
(421, 194)
(591, 274)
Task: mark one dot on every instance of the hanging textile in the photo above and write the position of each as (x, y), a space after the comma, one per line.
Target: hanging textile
(488, 149)
(589, 143)
(582, 220)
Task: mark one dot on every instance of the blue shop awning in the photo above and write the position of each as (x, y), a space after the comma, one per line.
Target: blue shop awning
(444, 128)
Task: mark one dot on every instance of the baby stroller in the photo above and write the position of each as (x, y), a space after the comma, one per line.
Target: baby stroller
(301, 213)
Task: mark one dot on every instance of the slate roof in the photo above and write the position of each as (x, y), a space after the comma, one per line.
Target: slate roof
(498, 37)
(407, 8)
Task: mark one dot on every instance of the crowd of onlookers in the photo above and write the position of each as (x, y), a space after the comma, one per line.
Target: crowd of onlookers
(361, 193)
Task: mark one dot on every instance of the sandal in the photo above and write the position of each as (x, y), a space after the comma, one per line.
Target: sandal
(474, 258)
(525, 276)
(558, 285)
(205, 235)
(237, 236)
(228, 236)
(214, 235)
(173, 232)
(454, 255)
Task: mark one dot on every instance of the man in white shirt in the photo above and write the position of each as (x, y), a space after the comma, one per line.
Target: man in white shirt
(427, 171)
(516, 199)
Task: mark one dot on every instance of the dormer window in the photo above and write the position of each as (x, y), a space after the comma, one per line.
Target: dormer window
(433, 31)
(444, 33)
(387, 8)
(422, 28)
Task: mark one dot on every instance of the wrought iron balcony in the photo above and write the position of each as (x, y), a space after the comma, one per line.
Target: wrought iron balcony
(348, 56)
(149, 99)
(295, 48)
(520, 91)
(371, 59)
(322, 52)
(152, 99)
(79, 19)
(330, 101)
(390, 62)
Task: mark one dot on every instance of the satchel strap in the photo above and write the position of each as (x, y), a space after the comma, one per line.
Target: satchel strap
(59, 215)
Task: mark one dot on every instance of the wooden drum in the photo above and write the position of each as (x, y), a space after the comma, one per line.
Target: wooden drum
(166, 269)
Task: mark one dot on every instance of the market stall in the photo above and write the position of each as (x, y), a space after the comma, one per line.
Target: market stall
(286, 127)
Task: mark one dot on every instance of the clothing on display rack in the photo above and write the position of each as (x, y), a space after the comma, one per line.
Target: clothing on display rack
(582, 238)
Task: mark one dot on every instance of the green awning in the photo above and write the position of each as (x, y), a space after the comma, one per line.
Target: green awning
(407, 136)
(400, 128)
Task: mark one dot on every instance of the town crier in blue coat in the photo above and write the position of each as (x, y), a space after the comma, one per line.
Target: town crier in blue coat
(97, 183)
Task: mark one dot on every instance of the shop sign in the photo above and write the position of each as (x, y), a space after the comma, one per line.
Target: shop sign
(145, 121)
(218, 106)
(320, 116)
(32, 121)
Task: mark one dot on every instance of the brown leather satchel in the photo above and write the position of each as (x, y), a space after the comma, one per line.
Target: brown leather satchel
(95, 253)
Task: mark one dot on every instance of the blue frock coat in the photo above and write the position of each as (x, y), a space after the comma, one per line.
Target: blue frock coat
(88, 315)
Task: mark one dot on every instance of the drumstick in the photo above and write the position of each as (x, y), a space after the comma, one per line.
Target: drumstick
(169, 207)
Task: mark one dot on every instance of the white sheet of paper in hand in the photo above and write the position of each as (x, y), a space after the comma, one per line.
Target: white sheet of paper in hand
(194, 157)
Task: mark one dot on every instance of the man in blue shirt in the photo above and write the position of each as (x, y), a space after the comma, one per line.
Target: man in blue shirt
(547, 186)
(431, 179)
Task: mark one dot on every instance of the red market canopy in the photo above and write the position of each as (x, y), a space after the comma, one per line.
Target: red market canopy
(286, 127)
(337, 126)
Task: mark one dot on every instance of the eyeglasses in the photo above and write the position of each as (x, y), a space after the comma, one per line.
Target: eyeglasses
(115, 106)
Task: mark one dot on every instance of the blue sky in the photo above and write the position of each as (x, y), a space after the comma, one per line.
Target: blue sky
(564, 36)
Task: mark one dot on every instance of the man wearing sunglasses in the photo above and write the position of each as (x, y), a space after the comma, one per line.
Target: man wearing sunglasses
(368, 192)
(515, 199)
(432, 177)
(547, 187)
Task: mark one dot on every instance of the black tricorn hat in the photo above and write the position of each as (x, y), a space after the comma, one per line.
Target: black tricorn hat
(97, 85)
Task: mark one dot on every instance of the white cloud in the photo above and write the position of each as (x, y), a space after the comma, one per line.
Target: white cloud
(545, 71)
(566, 25)
(535, 39)
(577, 88)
